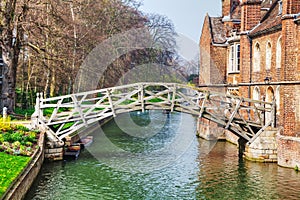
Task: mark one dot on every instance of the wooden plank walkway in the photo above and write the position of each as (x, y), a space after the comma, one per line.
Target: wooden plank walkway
(244, 117)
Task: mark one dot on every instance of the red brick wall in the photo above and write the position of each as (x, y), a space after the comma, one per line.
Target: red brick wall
(288, 73)
(291, 6)
(288, 152)
(205, 42)
(297, 88)
(218, 65)
(245, 64)
(212, 58)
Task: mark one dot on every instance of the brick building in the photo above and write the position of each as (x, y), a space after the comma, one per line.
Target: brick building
(257, 43)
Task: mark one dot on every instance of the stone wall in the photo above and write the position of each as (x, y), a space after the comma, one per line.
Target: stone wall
(209, 130)
(22, 184)
(230, 137)
(264, 148)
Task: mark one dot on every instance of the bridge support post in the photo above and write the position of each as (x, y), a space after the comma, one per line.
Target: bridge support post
(242, 146)
(264, 147)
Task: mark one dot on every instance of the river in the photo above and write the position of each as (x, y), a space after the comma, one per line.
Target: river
(158, 156)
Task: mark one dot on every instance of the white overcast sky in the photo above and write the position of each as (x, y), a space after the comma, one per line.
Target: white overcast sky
(187, 15)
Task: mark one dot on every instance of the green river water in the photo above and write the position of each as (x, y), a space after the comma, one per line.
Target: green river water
(156, 156)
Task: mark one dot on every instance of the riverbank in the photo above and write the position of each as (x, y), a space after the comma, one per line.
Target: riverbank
(22, 183)
(21, 156)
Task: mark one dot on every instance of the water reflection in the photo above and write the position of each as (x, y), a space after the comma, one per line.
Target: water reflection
(223, 175)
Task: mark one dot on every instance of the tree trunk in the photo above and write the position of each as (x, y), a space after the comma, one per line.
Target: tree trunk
(11, 37)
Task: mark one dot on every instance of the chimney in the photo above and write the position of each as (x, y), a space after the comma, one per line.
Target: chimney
(226, 7)
(251, 14)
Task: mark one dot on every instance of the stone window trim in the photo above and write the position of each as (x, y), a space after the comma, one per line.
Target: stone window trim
(234, 58)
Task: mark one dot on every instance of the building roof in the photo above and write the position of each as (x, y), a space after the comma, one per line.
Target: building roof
(218, 31)
(269, 23)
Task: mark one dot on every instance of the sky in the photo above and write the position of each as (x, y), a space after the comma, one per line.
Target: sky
(186, 15)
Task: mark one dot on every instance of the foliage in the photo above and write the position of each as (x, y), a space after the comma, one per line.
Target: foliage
(155, 100)
(40, 62)
(24, 112)
(17, 139)
(10, 167)
(5, 123)
(66, 126)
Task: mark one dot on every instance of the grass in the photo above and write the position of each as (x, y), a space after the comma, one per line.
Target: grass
(10, 167)
(46, 112)
(155, 100)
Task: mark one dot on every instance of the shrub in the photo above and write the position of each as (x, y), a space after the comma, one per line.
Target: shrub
(1, 138)
(5, 124)
(7, 137)
(16, 144)
(32, 137)
(21, 128)
(16, 137)
(29, 144)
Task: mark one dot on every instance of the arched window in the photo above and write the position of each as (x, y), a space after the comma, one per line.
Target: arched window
(278, 54)
(268, 56)
(269, 98)
(256, 94)
(256, 66)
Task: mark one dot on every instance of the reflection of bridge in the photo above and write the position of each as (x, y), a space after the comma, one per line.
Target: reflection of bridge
(244, 117)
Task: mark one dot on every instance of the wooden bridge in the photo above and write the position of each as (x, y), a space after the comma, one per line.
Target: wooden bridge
(65, 115)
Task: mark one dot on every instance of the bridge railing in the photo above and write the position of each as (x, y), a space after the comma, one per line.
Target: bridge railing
(65, 115)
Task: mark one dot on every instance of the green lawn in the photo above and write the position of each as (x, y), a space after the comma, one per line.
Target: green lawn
(10, 167)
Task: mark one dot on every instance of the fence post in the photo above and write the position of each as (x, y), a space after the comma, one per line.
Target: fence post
(4, 113)
(36, 115)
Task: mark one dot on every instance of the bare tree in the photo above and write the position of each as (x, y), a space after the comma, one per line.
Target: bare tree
(12, 16)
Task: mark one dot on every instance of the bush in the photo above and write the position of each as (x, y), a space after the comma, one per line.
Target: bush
(16, 145)
(5, 124)
(22, 128)
(1, 138)
(7, 137)
(17, 139)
